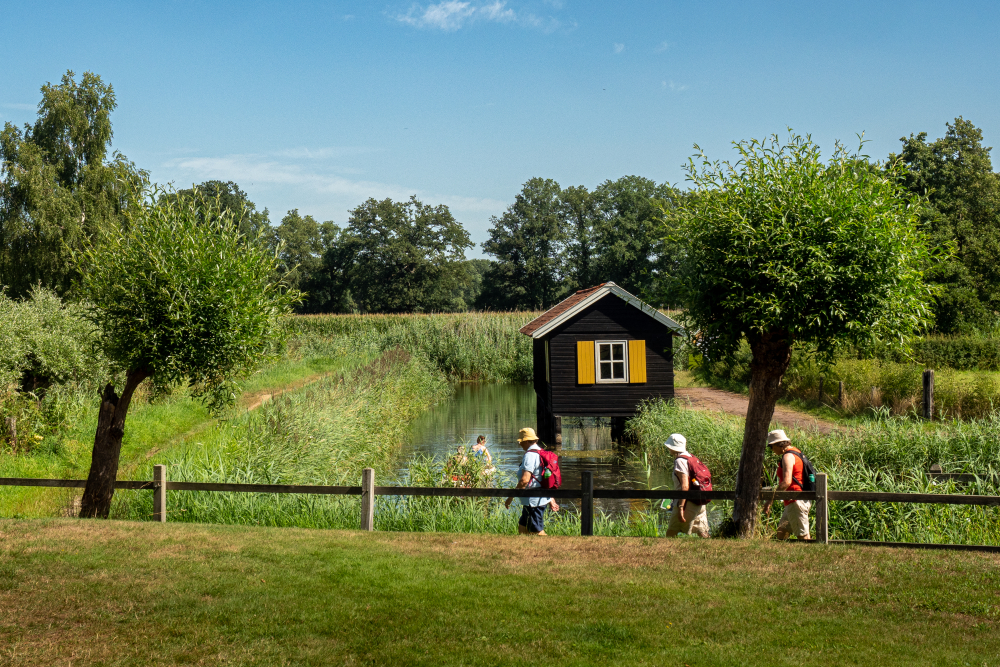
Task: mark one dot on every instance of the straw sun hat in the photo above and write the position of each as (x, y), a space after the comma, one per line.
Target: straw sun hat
(526, 434)
(676, 443)
(776, 437)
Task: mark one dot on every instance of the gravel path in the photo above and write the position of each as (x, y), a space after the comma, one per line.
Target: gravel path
(717, 400)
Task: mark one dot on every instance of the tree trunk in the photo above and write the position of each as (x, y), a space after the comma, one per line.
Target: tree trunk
(771, 354)
(108, 446)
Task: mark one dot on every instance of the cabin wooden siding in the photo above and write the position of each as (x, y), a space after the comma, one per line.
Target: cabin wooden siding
(611, 318)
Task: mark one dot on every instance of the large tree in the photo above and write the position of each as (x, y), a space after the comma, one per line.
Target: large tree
(303, 242)
(956, 175)
(231, 198)
(528, 242)
(625, 231)
(404, 257)
(179, 294)
(782, 248)
(59, 189)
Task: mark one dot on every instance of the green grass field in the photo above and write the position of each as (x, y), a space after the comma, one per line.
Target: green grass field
(112, 593)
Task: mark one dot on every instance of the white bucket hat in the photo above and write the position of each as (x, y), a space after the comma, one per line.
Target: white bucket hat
(776, 437)
(676, 443)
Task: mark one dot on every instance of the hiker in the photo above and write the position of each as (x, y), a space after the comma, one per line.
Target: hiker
(688, 516)
(479, 449)
(532, 521)
(791, 466)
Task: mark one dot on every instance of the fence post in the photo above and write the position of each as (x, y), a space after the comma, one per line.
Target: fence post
(840, 394)
(822, 510)
(929, 394)
(587, 502)
(822, 381)
(160, 493)
(368, 499)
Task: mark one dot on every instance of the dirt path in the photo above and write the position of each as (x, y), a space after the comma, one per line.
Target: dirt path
(717, 400)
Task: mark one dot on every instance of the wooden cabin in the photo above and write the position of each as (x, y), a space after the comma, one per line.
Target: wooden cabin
(599, 353)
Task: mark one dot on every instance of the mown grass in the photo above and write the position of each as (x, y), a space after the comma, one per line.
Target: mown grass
(881, 454)
(112, 593)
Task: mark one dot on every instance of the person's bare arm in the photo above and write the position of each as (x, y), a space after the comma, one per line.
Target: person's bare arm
(685, 485)
(521, 484)
(787, 466)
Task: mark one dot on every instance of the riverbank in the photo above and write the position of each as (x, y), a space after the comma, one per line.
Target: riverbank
(118, 593)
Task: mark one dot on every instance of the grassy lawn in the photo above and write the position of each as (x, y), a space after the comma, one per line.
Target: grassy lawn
(117, 593)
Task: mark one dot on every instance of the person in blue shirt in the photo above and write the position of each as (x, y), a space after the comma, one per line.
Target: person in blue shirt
(532, 521)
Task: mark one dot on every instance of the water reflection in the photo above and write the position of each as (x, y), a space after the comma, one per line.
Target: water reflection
(498, 412)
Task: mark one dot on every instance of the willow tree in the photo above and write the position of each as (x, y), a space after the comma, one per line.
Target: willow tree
(182, 295)
(783, 248)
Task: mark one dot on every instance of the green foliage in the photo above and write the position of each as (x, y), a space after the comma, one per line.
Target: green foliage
(394, 257)
(181, 292)
(231, 198)
(302, 241)
(956, 175)
(829, 253)
(890, 455)
(58, 192)
(527, 241)
(44, 341)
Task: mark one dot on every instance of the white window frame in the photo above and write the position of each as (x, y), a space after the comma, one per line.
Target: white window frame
(597, 361)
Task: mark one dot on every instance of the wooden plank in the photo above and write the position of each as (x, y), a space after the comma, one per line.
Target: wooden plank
(922, 545)
(475, 493)
(927, 498)
(265, 488)
(28, 481)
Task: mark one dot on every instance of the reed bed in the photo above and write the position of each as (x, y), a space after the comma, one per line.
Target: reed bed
(476, 347)
(883, 453)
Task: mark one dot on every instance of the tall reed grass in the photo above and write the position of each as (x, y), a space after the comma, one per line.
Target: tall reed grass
(477, 347)
(883, 453)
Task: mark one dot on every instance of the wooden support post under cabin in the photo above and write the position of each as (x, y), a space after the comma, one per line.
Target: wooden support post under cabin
(840, 394)
(368, 499)
(160, 493)
(557, 430)
(928, 394)
(587, 502)
(618, 430)
(822, 510)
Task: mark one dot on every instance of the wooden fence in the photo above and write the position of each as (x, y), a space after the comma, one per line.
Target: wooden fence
(159, 485)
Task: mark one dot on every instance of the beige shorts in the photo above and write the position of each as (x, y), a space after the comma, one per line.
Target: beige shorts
(795, 519)
(697, 519)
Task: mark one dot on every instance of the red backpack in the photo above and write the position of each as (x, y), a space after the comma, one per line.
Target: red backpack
(551, 476)
(700, 476)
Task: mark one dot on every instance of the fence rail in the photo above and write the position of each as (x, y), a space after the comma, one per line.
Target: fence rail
(586, 493)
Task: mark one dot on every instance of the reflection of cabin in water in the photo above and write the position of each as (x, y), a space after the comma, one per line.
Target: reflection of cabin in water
(599, 353)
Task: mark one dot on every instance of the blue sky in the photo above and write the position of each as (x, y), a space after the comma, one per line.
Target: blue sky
(318, 106)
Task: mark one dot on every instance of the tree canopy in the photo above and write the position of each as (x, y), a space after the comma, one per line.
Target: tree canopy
(956, 175)
(179, 294)
(782, 247)
(59, 191)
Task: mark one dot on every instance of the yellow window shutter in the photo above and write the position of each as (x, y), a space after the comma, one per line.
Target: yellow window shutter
(585, 362)
(636, 361)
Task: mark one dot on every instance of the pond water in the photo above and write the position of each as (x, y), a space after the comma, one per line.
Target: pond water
(499, 411)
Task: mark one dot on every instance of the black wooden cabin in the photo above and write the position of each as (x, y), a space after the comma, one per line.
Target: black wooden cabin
(599, 353)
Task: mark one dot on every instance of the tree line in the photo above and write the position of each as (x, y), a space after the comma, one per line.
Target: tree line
(63, 188)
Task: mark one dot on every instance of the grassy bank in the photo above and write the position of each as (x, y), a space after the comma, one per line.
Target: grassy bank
(112, 593)
(891, 454)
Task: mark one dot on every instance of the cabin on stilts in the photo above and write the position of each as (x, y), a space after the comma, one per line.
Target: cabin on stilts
(599, 353)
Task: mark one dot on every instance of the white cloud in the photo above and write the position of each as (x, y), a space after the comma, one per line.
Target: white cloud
(264, 170)
(452, 15)
(661, 47)
(619, 48)
(676, 87)
(20, 107)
